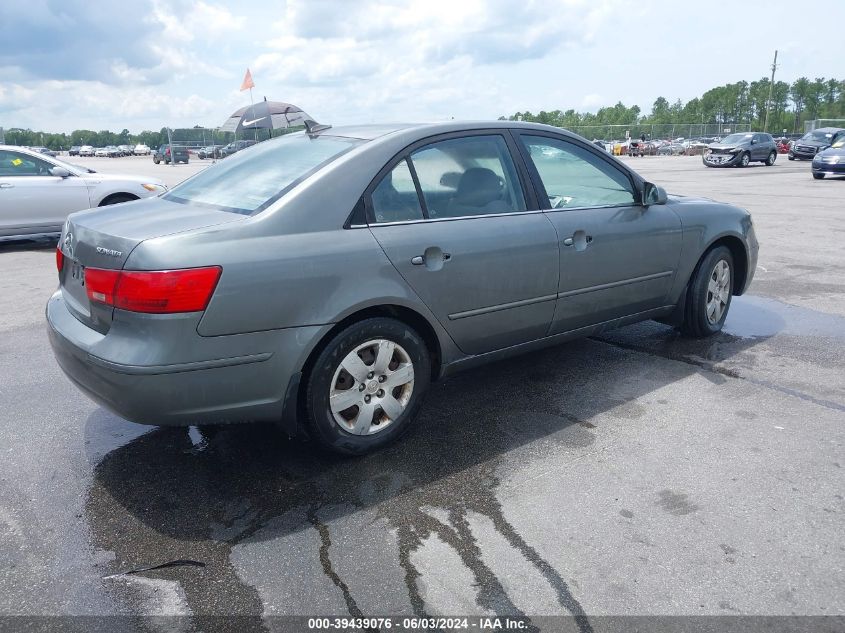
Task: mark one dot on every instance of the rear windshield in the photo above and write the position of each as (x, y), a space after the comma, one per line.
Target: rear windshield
(254, 178)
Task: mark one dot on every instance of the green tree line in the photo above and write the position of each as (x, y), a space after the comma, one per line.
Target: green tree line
(736, 103)
(60, 141)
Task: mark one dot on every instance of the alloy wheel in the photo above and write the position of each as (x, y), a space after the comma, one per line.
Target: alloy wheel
(718, 291)
(371, 387)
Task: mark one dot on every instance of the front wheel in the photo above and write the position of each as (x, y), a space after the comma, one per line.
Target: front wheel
(790, 157)
(745, 160)
(818, 176)
(771, 159)
(709, 294)
(367, 385)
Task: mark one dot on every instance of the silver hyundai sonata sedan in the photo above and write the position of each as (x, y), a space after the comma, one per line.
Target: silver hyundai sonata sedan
(323, 280)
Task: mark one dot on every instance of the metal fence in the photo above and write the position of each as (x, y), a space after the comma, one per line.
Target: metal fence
(658, 130)
(815, 124)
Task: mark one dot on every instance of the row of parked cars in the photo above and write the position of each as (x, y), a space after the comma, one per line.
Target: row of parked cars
(824, 146)
(109, 151)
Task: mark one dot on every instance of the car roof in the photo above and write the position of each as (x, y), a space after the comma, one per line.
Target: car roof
(828, 129)
(374, 131)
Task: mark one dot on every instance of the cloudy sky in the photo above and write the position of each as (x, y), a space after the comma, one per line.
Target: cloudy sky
(143, 64)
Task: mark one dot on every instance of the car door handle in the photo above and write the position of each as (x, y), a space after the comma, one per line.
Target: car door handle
(569, 241)
(6, 185)
(419, 260)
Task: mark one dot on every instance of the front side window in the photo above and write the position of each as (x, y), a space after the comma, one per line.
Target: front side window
(19, 164)
(395, 198)
(250, 181)
(468, 176)
(574, 177)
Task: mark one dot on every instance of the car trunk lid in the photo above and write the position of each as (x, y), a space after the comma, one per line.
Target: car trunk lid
(105, 237)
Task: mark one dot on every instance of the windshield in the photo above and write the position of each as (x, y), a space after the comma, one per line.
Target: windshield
(254, 178)
(735, 139)
(71, 167)
(817, 135)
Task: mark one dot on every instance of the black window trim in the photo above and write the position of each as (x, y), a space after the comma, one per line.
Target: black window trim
(637, 184)
(528, 194)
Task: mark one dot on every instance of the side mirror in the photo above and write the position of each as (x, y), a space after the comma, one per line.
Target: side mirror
(654, 194)
(59, 172)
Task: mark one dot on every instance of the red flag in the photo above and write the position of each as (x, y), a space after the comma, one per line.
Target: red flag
(248, 83)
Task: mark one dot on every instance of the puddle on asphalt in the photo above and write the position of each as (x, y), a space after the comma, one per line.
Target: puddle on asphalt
(758, 317)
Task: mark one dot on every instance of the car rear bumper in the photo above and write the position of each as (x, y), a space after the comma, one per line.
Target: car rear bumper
(224, 386)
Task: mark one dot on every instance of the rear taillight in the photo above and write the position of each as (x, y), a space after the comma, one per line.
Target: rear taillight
(155, 292)
(60, 259)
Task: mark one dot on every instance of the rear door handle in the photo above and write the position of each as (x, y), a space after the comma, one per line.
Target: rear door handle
(419, 260)
(578, 239)
(433, 258)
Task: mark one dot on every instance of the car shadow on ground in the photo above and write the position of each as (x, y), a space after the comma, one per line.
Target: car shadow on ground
(172, 494)
(11, 245)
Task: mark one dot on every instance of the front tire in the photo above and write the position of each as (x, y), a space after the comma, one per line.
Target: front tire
(790, 156)
(744, 160)
(771, 159)
(366, 386)
(709, 294)
(818, 176)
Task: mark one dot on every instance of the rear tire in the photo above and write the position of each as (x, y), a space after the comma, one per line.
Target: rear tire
(709, 294)
(380, 352)
(771, 159)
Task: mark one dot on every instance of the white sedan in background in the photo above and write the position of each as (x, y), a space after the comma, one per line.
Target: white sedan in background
(86, 150)
(38, 192)
(142, 150)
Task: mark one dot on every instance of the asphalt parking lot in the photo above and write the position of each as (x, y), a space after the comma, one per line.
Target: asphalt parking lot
(635, 473)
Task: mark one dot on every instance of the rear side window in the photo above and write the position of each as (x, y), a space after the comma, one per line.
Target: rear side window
(575, 177)
(251, 180)
(468, 176)
(395, 198)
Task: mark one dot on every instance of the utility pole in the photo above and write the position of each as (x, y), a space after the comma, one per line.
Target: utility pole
(771, 87)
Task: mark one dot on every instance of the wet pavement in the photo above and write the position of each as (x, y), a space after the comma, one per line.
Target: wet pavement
(635, 473)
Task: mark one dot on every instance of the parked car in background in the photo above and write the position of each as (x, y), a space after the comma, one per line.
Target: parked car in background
(109, 151)
(830, 161)
(73, 151)
(43, 150)
(211, 151)
(783, 145)
(814, 142)
(141, 150)
(236, 146)
(37, 191)
(125, 150)
(739, 150)
(672, 148)
(238, 295)
(86, 150)
(162, 154)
